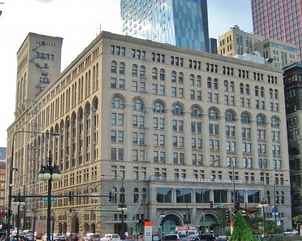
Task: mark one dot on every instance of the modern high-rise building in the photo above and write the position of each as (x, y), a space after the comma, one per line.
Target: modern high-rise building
(293, 96)
(168, 131)
(177, 22)
(279, 19)
(213, 45)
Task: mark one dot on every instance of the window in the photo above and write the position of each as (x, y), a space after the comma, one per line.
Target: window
(196, 111)
(261, 119)
(183, 195)
(135, 195)
(164, 195)
(114, 67)
(253, 196)
(118, 103)
(275, 122)
(246, 118)
(202, 196)
(154, 74)
(177, 109)
(134, 70)
(213, 113)
(122, 68)
(138, 105)
(220, 196)
(230, 116)
(117, 154)
(162, 74)
(158, 107)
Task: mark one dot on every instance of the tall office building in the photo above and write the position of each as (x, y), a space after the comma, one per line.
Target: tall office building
(279, 19)
(166, 130)
(177, 22)
(292, 92)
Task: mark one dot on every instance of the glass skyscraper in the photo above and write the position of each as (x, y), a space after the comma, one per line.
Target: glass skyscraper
(279, 19)
(183, 23)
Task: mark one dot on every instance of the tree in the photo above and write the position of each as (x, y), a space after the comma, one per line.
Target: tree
(242, 231)
(297, 220)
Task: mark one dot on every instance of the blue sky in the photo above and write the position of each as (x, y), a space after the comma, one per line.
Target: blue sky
(225, 13)
(78, 23)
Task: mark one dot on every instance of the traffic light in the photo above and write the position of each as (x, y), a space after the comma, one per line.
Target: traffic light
(211, 204)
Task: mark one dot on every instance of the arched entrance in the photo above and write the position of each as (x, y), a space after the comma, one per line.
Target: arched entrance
(92, 228)
(75, 226)
(208, 222)
(169, 222)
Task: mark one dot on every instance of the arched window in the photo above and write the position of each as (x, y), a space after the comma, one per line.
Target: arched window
(122, 195)
(173, 76)
(114, 194)
(213, 113)
(118, 102)
(138, 105)
(246, 118)
(261, 119)
(196, 111)
(230, 116)
(142, 72)
(162, 74)
(154, 74)
(114, 67)
(226, 85)
(275, 122)
(158, 106)
(135, 195)
(192, 80)
(181, 78)
(122, 68)
(134, 70)
(177, 109)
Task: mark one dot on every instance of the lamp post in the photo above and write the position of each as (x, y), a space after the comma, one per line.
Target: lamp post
(49, 173)
(10, 178)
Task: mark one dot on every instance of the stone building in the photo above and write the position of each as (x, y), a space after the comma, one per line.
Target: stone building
(237, 42)
(167, 131)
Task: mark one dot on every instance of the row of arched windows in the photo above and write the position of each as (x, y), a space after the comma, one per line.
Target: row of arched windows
(159, 106)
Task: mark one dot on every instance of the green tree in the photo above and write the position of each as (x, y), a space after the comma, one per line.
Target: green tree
(242, 231)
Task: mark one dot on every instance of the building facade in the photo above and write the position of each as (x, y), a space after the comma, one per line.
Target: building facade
(292, 82)
(167, 131)
(236, 42)
(2, 183)
(280, 20)
(180, 23)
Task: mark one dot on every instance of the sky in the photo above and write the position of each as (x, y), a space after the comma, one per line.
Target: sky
(78, 22)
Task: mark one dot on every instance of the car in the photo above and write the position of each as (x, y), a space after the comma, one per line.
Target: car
(291, 232)
(111, 237)
(171, 237)
(206, 237)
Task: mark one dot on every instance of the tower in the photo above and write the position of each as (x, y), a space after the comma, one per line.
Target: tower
(38, 65)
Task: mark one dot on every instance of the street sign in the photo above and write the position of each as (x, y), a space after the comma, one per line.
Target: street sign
(147, 230)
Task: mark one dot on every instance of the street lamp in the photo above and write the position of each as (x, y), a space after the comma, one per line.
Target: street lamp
(11, 170)
(49, 173)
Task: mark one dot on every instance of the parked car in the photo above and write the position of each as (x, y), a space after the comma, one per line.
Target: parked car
(291, 232)
(206, 237)
(92, 237)
(170, 237)
(111, 237)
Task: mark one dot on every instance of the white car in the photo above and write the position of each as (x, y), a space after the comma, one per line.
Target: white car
(292, 232)
(111, 237)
